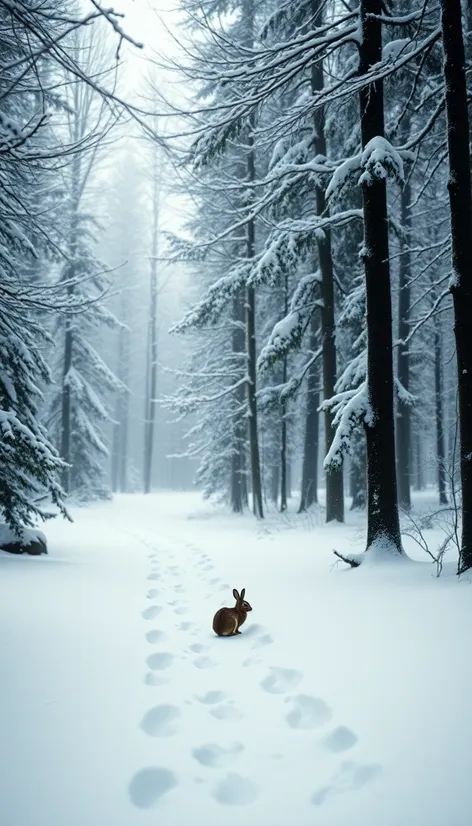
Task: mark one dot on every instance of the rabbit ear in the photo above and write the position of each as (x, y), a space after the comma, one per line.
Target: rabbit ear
(235, 593)
(243, 593)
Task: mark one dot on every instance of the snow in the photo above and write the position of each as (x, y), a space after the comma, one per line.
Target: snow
(344, 702)
(397, 48)
(343, 174)
(350, 407)
(27, 536)
(381, 160)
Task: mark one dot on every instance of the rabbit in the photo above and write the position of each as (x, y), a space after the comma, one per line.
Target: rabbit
(227, 621)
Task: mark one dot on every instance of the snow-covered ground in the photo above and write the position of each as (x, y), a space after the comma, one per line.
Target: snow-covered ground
(344, 702)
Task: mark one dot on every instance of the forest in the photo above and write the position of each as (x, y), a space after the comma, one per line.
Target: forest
(236, 289)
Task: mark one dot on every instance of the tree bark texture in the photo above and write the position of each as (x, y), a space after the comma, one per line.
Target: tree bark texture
(403, 417)
(438, 390)
(383, 527)
(334, 478)
(309, 486)
(460, 201)
(251, 351)
(239, 439)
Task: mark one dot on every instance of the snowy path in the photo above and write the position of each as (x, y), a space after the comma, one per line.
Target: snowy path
(121, 707)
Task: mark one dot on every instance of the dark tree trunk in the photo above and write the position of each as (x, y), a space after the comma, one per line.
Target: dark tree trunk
(383, 527)
(252, 400)
(283, 428)
(237, 459)
(403, 429)
(357, 477)
(440, 447)
(251, 352)
(460, 200)
(334, 478)
(309, 487)
(283, 455)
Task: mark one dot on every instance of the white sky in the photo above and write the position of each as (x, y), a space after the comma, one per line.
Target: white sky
(152, 22)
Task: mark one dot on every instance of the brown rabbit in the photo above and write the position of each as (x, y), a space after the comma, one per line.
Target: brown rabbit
(227, 621)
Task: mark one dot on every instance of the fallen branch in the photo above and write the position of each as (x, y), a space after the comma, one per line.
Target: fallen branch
(354, 563)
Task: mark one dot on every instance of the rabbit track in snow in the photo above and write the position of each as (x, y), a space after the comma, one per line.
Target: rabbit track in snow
(222, 757)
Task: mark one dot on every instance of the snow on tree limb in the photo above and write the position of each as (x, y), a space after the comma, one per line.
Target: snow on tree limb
(288, 333)
(377, 161)
(210, 307)
(350, 407)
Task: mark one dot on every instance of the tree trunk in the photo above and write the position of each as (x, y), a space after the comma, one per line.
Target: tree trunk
(460, 200)
(283, 413)
(309, 491)
(418, 460)
(440, 447)
(251, 351)
(151, 383)
(275, 481)
(383, 527)
(239, 442)
(334, 478)
(117, 445)
(403, 429)
(283, 454)
(357, 480)
(251, 397)
(66, 401)
(66, 407)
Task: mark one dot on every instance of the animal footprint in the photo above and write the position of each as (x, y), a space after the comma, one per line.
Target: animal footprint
(152, 594)
(197, 648)
(156, 636)
(265, 639)
(148, 785)
(281, 680)
(351, 777)
(216, 756)
(340, 739)
(185, 626)
(160, 661)
(181, 610)
(212, 697)
(153, 577)
(151, 612)
(215, 580)
(255, 630)
(154, 679)
(204, 662)
(226, 712)
(235, 790)
(307, 712)
(161, 721)
(251, 661)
